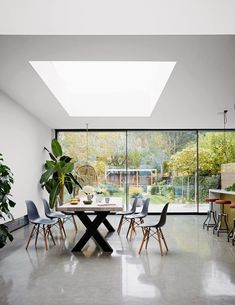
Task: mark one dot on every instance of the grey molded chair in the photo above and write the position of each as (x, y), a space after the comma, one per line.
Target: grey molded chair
(154, 230)
(55, 215)
(41, 225)
(70, 215)
(137, 219)
(123, 214)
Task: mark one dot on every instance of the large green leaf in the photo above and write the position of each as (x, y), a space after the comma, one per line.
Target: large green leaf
(74, 180)
(49, 185)
(68, 168)
(45, 176)
(54, 194)
(11, 203)
(68, 184)
(66, 159)
(49, 164)
(56, 148)
(50, 154)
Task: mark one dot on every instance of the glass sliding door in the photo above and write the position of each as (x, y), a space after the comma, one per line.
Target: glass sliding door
(216, 156)
(105, 152)
(176, 166)
(162, 165)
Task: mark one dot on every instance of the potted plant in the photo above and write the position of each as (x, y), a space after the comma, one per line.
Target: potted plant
(6, 181)
(58, 174)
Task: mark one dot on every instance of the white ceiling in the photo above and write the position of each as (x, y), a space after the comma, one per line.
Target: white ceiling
(201, 85)
(117, 17)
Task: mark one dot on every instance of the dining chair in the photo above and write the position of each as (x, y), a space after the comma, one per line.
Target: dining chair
(40, 225)
(137, 219)
(130, 212)
(55, 215)
(154, 230)
(70, 215)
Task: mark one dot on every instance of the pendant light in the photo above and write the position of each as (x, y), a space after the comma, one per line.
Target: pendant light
(225, 142)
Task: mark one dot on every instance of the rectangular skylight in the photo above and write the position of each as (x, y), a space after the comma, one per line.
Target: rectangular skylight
(105, 88)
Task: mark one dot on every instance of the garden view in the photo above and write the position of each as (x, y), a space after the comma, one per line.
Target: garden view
(175, 166)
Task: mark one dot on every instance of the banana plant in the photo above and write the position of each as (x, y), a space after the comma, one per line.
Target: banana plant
(6, 181)
(58, 174)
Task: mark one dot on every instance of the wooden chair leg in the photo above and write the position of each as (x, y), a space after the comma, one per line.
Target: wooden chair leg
(30, 236)
(143, 240)
(128, 230)
(52, 237)
(74, 222)
(120, 224)
(60, 228)
(132, 227)
(159, 241)
(163, 238)
(147, 241)
(63, 229)
(37, 231)
(45, 236)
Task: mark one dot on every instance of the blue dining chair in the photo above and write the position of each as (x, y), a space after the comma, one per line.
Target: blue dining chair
(136, 219)
(130, 212)
(40, 225)
(70, 215)
(61, 217)
(154, 230)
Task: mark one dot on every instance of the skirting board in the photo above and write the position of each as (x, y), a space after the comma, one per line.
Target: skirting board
(17, 223)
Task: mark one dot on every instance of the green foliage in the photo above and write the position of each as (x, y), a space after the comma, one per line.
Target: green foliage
(163, 189)
(154, 190)
(6, 181)
(111, 189)
(205, 183)
(184, 162)
(135, 191)
(231, 188)
(58, 173)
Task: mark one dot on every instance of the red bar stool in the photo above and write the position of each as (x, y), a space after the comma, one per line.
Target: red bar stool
(218, 228)
(211, 214)
(231, 234)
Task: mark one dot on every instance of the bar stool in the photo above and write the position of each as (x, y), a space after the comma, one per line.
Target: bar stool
(231, 234)
(218, 228)
(211, 214)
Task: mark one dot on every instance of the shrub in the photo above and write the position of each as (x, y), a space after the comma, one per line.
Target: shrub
(135, 191)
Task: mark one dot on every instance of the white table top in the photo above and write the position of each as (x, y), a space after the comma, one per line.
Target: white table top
(222, 192)
(95, 207)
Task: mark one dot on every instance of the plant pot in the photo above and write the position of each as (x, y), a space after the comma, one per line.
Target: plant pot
(87, 201)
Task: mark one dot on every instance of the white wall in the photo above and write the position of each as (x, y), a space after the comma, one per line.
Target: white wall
(22, 138)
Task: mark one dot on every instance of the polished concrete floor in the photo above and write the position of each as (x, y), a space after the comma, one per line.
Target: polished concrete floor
(198, 269)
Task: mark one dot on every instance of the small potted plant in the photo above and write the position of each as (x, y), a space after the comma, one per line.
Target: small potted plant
(99, 194)
(88, 190)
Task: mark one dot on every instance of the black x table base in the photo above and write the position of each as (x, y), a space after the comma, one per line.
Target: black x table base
(92, 230)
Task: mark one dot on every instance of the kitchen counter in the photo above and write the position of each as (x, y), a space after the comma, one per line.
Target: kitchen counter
(228, 195)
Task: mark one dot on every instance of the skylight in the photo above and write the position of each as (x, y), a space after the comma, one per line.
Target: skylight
(105, 88)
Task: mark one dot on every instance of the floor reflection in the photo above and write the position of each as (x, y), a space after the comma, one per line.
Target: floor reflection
(218, 280)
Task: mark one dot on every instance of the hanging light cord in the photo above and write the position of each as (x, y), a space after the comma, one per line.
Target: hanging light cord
(87, 143)
(225, 144)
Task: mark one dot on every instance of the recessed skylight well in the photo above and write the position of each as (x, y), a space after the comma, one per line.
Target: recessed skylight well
(105, 88)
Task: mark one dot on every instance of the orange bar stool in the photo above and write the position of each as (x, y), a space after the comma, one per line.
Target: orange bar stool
(231, 234)
(219, 228)
(211, 214)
